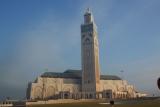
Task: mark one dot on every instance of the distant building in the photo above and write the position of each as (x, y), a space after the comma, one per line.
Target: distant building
(86, 83)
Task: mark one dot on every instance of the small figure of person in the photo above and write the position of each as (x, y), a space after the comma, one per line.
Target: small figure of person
(158, 82)
(112, 103)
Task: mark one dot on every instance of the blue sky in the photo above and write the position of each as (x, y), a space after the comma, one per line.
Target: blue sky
(40, 34)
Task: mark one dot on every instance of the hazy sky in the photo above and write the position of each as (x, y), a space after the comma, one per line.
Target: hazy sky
(40, 34)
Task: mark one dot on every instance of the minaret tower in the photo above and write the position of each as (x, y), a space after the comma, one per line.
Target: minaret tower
(90, 57)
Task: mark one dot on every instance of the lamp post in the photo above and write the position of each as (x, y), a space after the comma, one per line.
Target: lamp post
(122, 76)
(124, 86)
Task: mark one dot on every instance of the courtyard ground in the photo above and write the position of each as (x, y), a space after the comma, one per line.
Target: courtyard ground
(135, 103)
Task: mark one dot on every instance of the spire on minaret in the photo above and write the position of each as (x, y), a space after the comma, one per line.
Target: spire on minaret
(88, 18)
(88, 10)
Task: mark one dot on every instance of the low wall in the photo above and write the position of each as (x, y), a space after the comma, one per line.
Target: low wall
(63, 101)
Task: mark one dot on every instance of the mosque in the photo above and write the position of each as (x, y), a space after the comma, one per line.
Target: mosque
(87, 83)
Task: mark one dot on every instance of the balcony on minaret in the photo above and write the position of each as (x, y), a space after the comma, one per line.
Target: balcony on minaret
(88, 18)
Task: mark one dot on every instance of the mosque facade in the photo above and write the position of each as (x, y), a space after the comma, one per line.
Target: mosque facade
(87, 83)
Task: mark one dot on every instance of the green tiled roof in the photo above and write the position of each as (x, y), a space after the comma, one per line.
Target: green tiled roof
(76, 74)
(67, 74)
(110, 77)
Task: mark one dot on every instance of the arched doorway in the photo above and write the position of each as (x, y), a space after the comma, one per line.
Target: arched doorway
(50, 92)
(38, 94)
(66, 95)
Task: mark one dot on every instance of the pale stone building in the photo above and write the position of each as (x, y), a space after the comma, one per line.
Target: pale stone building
(86, 83)
(52, 85)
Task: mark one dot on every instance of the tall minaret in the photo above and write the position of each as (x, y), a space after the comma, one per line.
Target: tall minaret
(90, 57)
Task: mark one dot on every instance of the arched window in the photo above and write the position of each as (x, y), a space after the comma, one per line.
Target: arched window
(87, 40)
(83, 36)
